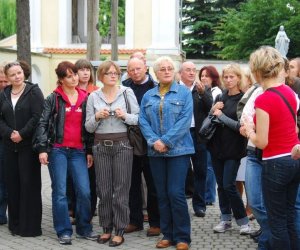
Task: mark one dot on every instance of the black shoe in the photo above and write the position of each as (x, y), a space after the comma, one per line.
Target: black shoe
(209, 204)
(113, 243)
(200, 213)
(103, 240)
(255, 234)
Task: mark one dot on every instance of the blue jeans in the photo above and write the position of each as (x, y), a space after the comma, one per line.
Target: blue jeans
(210, 194)
(199, 160)
(3, 192)
(229, 198)
(255, 197)
(280, 183)
(298, 213)
(62, 160)
(169, 175)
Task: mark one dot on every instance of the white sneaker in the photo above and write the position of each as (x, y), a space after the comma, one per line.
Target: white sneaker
(223, 226)
(245, 229)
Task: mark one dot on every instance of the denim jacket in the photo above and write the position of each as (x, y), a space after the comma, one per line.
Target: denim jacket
(173, 127)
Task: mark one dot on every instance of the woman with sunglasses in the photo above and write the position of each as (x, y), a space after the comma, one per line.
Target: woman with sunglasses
(21, 105)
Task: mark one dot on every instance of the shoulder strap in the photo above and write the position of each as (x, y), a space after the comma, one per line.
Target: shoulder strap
(126, 102)
(285, 100)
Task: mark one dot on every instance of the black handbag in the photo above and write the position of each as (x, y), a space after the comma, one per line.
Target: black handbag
(209, 127)
(135, 136)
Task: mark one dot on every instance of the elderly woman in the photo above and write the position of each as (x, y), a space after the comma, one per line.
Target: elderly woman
(276, 134)
(107, 117)
(64, 144)
(227, 147)
(165, 119)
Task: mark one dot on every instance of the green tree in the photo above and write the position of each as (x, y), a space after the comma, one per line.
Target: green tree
(199, 18)
(8, 18)
(256, 23)
(105, 17)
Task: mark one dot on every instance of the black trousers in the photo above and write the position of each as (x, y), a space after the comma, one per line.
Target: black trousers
(141, 165)
(23, 182)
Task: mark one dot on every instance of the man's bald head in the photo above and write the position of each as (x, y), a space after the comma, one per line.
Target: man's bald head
(136, 70)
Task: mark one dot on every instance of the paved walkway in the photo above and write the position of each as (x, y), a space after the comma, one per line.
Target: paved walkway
(202, 234)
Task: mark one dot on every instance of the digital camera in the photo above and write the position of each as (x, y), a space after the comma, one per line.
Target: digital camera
(112, 113)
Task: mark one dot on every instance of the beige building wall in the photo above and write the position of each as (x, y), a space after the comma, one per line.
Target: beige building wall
(49, 23)
(142, 23)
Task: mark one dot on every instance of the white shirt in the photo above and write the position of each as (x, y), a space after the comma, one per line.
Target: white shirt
(191, 89)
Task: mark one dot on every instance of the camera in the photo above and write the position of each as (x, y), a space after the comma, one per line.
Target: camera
(112, 113)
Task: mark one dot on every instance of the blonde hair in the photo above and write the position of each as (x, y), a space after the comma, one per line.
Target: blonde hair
(235, 69)
(266, 62)
(161, 59)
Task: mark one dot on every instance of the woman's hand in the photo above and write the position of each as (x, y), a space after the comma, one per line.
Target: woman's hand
(249, 127)
(218, 105)
(296, 152)
(217, 112)
(43, 157)
(90, 160)
(119, 113)
(15, 136)
(102, 114)
(160, 147)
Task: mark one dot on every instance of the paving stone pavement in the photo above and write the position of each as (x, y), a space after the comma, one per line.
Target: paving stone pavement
(202, 234)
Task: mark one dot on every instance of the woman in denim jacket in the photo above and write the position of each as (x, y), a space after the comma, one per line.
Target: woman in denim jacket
(165, 118)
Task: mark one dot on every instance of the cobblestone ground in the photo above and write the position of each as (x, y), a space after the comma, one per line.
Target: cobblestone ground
(202, 234)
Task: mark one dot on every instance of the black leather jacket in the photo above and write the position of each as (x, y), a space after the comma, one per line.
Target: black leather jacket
(50, 128)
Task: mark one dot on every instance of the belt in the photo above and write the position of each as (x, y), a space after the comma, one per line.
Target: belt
(250, 148)
(110, 143)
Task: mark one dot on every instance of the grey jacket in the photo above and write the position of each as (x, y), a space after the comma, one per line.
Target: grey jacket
(112, 124)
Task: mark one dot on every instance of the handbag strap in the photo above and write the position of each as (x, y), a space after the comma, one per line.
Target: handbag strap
(285, 100)
(126, 102)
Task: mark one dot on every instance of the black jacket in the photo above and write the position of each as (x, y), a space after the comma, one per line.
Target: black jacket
(50, 128)
(202, 105)
(24, 118)
(140, 89)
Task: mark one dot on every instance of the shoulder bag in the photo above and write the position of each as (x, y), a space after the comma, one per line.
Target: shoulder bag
(134, 133)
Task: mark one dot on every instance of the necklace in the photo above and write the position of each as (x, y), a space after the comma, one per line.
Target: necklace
(16, 93)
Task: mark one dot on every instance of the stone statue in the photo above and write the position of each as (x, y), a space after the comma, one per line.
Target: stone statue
(282, 42)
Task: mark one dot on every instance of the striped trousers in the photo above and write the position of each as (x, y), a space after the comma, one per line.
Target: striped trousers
(113, 165)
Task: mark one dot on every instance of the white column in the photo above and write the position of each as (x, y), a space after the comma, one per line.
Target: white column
(165, 28)
(65, 23)
(35, 24)
(129, 23)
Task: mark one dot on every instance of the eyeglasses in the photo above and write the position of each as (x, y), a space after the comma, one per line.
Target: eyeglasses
(190, 70)
(166, 69)
(111, 74)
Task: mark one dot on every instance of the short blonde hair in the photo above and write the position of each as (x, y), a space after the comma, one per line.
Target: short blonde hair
(237, 70)
(104, 68)
(266, 62)
(157, 63)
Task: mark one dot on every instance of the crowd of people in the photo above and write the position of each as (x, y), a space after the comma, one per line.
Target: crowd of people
(80, 132)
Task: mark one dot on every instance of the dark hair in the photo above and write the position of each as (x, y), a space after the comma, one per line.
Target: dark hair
(26, 69)
(62, 69)
(213, 74)
(85, 64)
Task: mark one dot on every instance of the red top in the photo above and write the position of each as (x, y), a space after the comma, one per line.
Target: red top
(282, 128)
(73, 120)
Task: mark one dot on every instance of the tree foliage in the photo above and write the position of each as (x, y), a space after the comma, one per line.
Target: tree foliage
(8, 18)
(105, 17)
(256, 23)
(200, 17)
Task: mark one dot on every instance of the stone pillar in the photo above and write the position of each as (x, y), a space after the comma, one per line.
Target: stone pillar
(165, 29)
